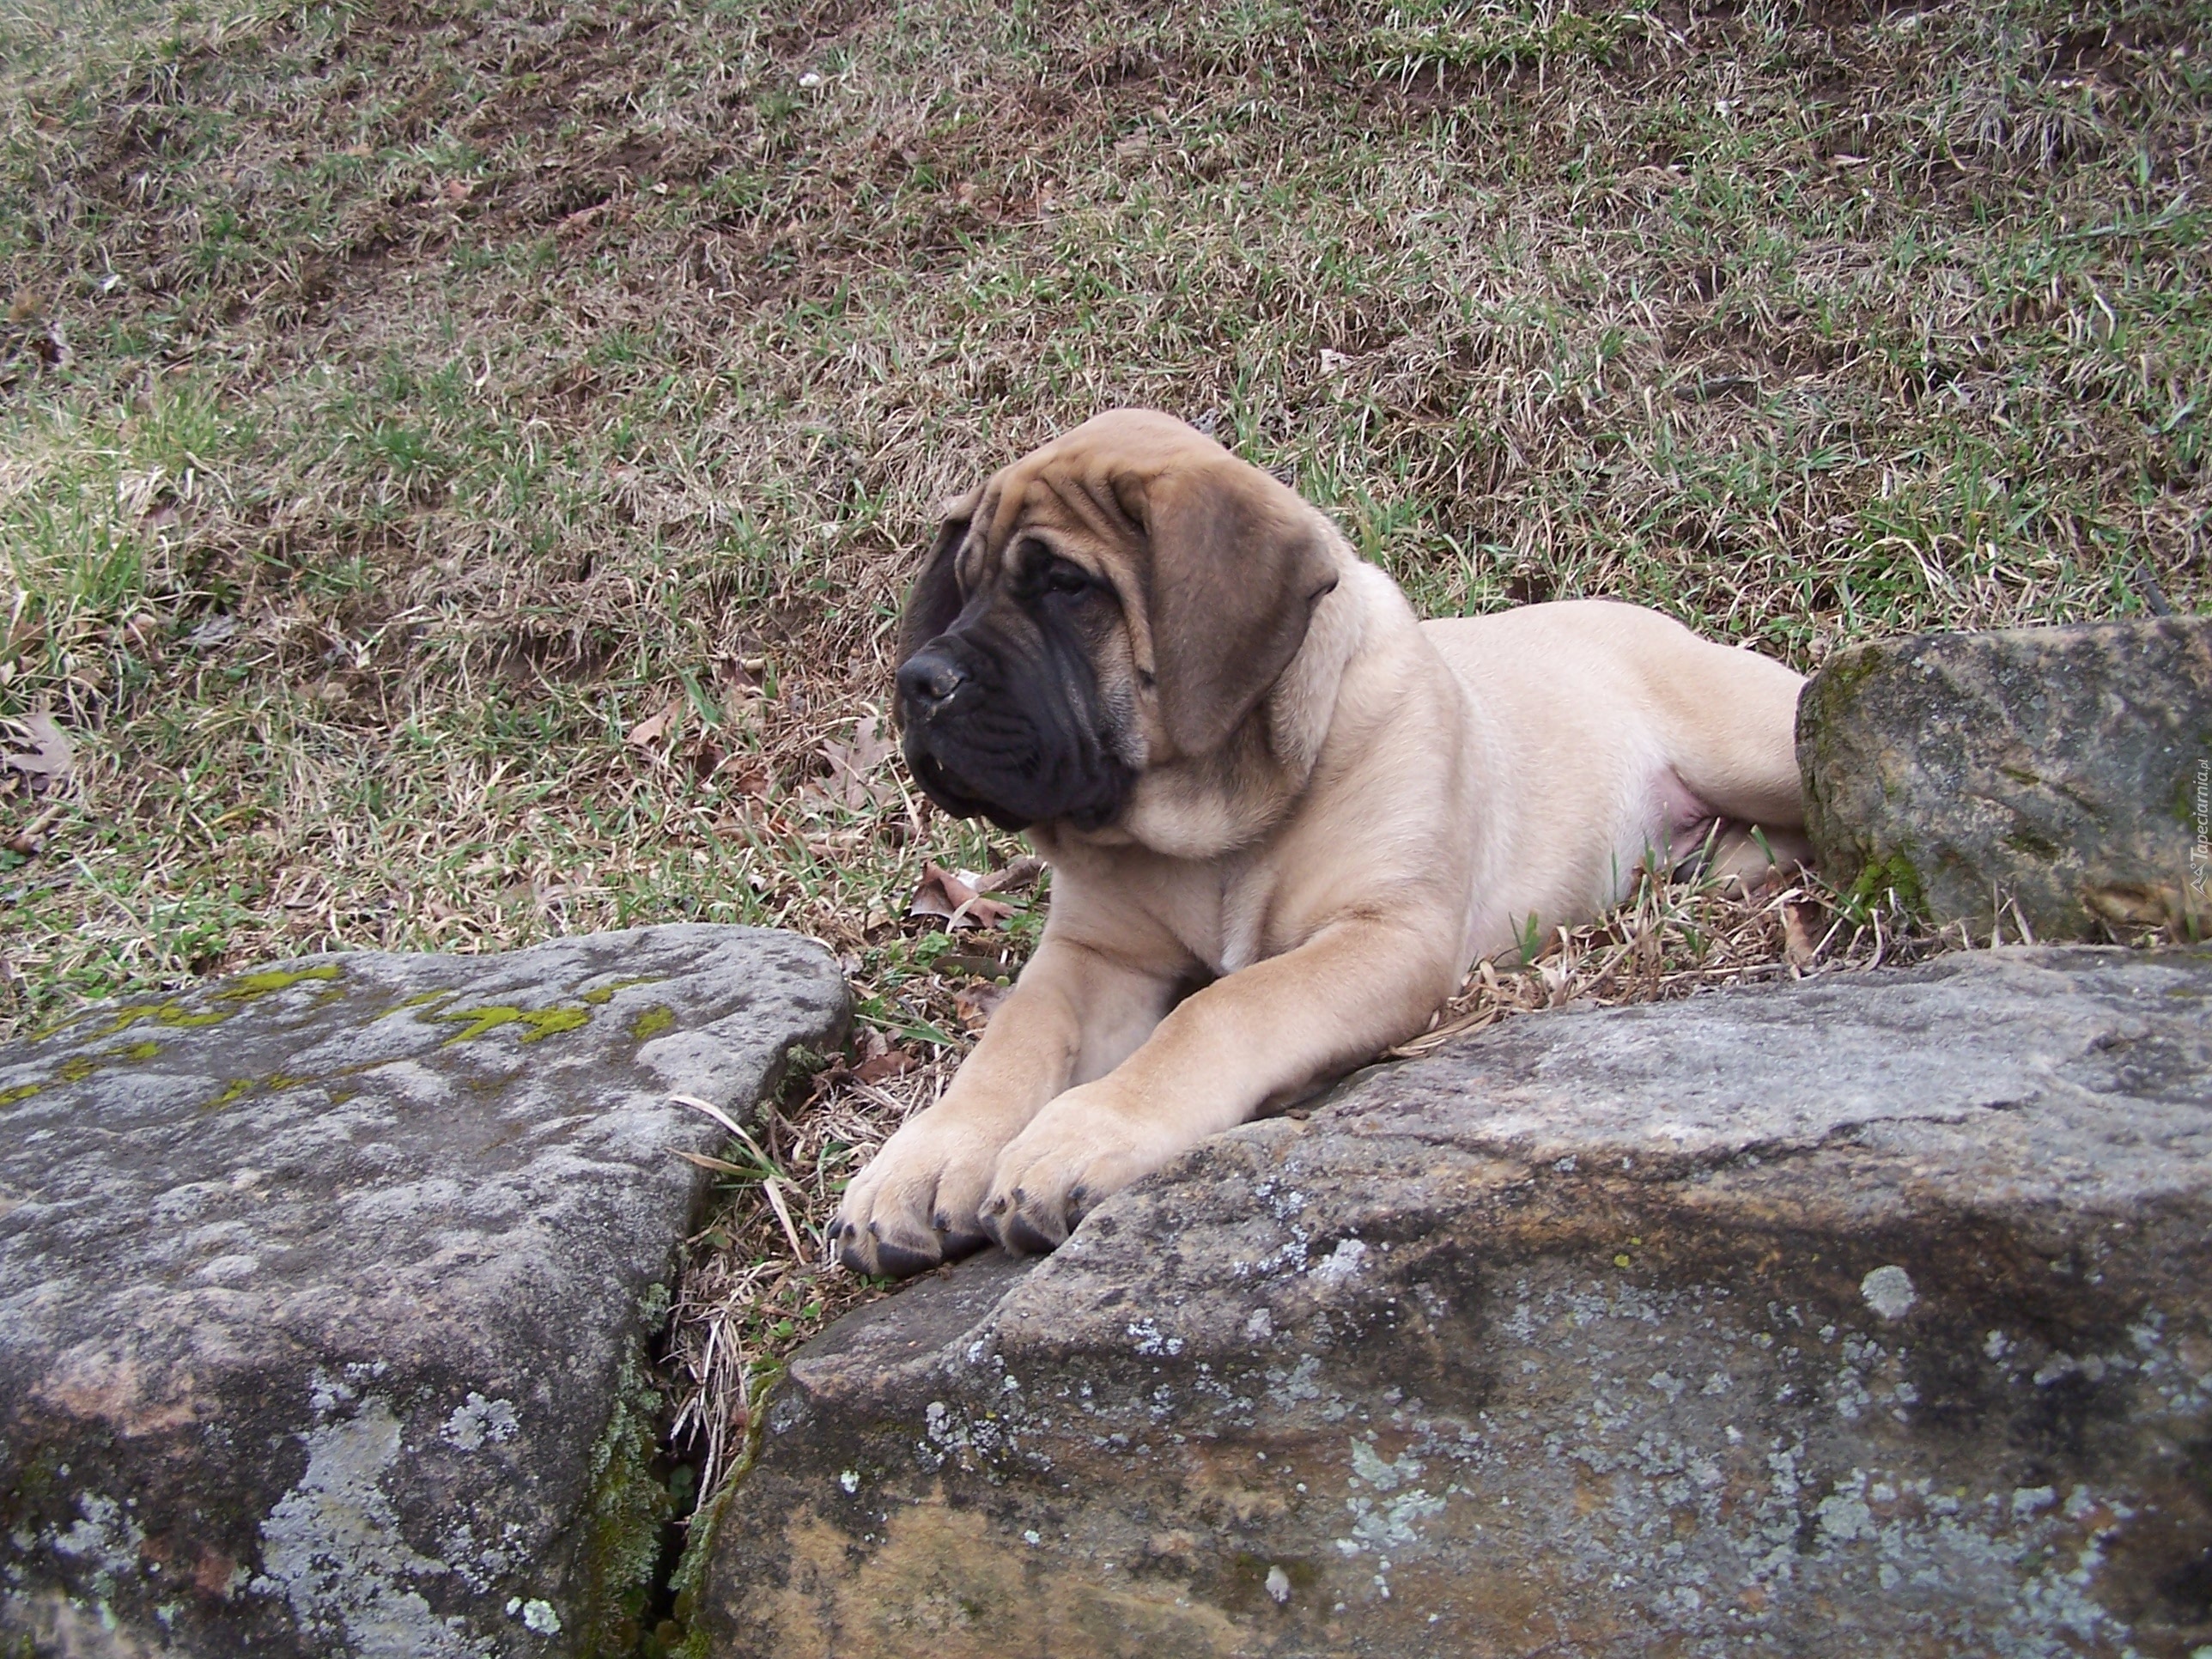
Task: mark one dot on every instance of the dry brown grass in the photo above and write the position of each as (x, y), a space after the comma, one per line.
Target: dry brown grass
(760, 1280)
(452, 385)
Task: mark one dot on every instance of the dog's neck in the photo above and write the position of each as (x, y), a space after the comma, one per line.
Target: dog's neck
(1213, 804)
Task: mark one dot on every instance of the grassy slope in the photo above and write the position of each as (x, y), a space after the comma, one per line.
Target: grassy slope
(452, 386)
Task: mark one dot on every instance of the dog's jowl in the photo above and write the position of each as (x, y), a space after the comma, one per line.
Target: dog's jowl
(1283, 816)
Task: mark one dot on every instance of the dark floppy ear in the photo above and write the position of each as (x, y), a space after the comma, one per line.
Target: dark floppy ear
(1237, 564)
(934, 600)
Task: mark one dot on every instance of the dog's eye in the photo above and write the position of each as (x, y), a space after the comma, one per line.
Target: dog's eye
(1061, 577)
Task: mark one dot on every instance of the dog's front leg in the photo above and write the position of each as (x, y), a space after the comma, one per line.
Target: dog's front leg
(1074, 1014)
(1263, 1036)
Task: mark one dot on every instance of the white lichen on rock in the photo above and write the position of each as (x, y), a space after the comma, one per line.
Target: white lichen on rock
(478, 1420)
(1340, 1264)
(1888, 1291)
(333, 1548)
(105, 1537)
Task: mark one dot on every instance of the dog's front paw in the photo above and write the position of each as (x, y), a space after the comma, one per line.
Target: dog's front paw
(1078, 1151)
(916, 1204)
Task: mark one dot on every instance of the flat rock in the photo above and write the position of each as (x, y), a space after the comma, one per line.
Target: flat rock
(2068, 770)
(322, 1291)
(1870, 1315)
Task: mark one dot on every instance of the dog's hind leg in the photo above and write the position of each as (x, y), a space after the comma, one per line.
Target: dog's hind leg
(1730, 799)
(1732, 740)
(1726, 720)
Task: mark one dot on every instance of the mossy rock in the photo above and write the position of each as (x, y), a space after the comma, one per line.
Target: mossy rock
(325, 1291)
(2056, 776)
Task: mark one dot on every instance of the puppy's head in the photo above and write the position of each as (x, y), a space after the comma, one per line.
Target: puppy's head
(1120, 598)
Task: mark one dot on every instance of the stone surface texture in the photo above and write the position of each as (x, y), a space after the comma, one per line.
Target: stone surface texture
(1867, 1317)
(2068, 769)
(322, 1290)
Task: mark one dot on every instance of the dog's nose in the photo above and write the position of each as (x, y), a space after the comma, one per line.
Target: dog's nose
(929, 678)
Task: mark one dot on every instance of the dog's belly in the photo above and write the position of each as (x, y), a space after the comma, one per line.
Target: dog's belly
(1594, 716)
(1566, 855)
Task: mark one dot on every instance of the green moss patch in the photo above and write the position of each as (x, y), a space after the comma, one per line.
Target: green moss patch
(537, 1024)
(628, 1509)
(247, 986)
(1892, 874)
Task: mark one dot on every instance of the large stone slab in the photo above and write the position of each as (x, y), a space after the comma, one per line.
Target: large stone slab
(2066, 770)
(1870, 1317)
(322, 1290)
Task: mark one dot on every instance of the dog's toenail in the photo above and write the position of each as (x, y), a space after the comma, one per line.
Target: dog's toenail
(1026, 1239)
(902, 1263)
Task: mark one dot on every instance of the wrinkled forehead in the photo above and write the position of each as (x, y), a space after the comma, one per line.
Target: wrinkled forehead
(1084, 491)
(1036, 497)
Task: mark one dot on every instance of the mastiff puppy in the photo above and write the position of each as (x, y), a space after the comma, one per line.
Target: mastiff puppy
(1284, 817)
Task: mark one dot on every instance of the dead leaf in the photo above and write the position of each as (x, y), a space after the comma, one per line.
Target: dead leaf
(32, 837)
(611, 212)
(976, 1004)
(892, 1062)
(745, 777)
(875, 741)
(51, 759)
(741, 697)
(1013, 878)
(1796, 943)
(854, 764)
(650, 730)
(703, 758)
(951, 895)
